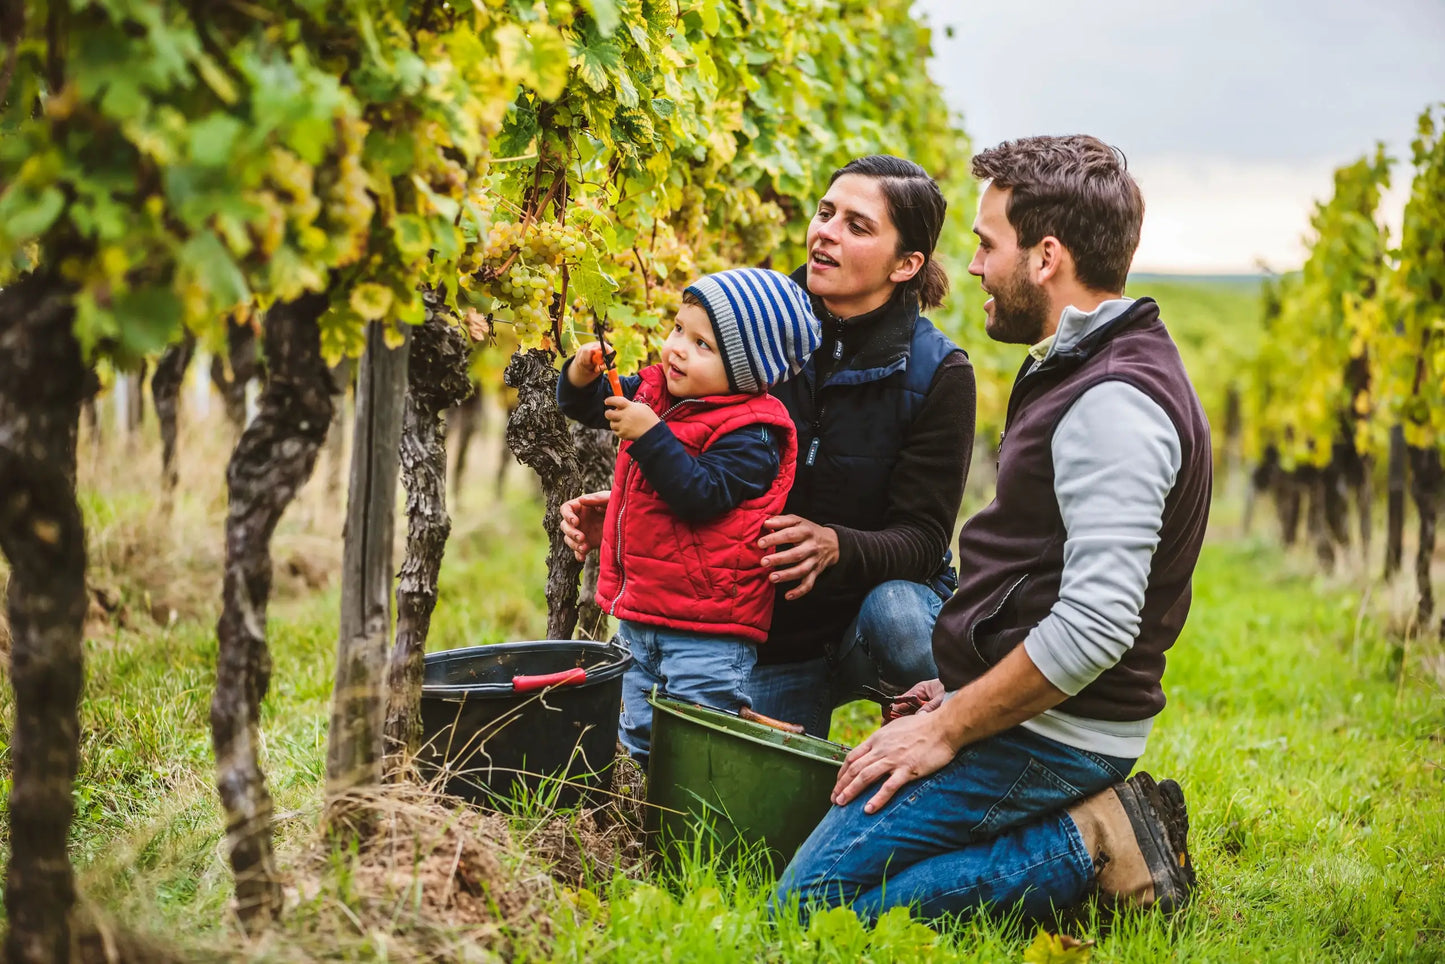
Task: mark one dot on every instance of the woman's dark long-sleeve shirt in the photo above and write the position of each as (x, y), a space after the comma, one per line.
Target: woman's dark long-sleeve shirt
(738, 466)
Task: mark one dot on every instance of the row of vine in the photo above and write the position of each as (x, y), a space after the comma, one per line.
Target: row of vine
(310, 171)
(1351, 365)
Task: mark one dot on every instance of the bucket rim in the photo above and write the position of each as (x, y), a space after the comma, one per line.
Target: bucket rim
(604, 673)
(685, 711)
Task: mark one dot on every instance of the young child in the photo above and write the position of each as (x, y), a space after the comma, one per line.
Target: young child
(707, 454)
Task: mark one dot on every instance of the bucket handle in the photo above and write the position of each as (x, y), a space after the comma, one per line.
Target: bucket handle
(528, 684)
(747, 713)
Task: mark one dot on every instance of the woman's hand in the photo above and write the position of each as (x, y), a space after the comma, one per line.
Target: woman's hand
(905, 749)
(630, 420)
(586, 365)
(582, 520)
(813, 549)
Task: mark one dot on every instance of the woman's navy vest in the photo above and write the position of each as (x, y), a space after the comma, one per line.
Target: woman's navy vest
(850, 432)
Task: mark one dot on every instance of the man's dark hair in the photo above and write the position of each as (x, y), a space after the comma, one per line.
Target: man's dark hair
(1079, 190)
(916, 208)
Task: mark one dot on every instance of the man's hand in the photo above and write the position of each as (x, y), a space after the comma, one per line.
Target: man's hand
(905, 749)
(582, 520)
(814, 549)
(929, 694)
(630, 420)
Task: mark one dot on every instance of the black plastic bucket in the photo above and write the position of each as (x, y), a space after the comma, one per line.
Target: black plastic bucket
(502, 722)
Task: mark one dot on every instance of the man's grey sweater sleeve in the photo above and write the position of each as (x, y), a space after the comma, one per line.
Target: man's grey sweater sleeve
(1116, 455)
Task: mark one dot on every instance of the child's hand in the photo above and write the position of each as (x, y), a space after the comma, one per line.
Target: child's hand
(586, 365)
(630, 420)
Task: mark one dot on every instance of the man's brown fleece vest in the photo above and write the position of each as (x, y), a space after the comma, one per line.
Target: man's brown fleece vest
(1011, 555)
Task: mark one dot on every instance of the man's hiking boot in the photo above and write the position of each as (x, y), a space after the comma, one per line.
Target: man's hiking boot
(1137, 832)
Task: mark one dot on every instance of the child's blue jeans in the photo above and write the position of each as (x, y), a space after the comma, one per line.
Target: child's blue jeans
(696, 667)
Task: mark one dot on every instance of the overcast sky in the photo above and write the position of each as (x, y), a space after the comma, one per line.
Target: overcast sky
(1233, 114)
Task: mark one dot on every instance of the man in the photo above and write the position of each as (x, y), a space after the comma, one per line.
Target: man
(1008, 787)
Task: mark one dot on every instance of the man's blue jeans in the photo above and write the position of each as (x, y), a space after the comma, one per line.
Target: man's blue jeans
(694, 667)
(987, 829)
(890, 641)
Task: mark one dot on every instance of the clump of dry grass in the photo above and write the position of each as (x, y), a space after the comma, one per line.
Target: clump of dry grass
(436, 880)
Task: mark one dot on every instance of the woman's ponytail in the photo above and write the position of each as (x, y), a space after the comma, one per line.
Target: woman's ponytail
(934, 286)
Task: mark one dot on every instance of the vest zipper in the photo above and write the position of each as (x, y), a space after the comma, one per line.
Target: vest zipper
(626, 479)
(818, 411)
(973, 630)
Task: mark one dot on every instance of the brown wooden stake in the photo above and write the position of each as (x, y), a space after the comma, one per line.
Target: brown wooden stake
(42, 535)
(437, 379)
(272, 461)
(354, 749)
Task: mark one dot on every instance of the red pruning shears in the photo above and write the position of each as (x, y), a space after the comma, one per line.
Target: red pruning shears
(911, 704)
(606, 358)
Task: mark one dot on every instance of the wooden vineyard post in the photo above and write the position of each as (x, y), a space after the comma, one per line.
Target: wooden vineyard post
(358, 702)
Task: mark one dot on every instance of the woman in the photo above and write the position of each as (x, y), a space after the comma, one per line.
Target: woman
(885, 415)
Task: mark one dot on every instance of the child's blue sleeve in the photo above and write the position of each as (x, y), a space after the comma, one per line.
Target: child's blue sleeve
(738, 466)
(589, 405)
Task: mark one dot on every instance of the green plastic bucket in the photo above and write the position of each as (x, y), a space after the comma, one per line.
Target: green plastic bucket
(739, 784)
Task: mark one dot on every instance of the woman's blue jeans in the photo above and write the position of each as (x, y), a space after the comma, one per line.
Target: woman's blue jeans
(987, 829)
(890, 641)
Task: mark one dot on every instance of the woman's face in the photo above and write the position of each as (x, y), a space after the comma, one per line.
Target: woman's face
(853, 260)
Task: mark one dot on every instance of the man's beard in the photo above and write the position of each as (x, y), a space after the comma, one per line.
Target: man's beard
(1020, 310)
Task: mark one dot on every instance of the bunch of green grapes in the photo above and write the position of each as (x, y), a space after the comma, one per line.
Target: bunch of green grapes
(518, 273)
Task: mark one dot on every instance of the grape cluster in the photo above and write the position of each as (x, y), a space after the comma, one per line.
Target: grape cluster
(519, 266)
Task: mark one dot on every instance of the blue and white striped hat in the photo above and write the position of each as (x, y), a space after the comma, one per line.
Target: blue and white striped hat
(764, 324)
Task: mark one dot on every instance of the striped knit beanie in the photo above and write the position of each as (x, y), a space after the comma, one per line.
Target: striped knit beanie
(764, 324)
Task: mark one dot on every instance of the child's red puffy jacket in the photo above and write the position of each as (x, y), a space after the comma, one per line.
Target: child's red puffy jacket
(704, 577)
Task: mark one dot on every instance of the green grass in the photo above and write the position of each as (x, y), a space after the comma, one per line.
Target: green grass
(1310, 746)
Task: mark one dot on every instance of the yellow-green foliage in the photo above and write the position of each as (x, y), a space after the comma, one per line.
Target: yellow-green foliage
(1354, 344)
(1410, 371)
(1309, 383)
(533, 158)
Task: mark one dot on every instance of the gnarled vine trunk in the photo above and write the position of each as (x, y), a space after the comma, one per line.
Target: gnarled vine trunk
(437, 379)
(596, 460)
(537, 434)
(1395, 505)
(42, 380)
(462, 424)
(1427, 479)
(272, 461)
(1319, 522)
(233, 373)
(170, 375)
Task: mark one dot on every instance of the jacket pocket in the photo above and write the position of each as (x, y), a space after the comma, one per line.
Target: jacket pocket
(982, 634)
